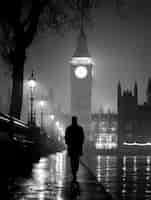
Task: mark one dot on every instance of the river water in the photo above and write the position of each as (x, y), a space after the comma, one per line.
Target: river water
(125, 177)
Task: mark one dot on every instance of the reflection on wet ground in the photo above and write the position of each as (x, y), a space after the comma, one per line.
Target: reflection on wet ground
(127, 177)
(46, 180)
(51, 179)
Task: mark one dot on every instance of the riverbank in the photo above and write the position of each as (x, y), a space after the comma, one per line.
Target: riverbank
(124, 150)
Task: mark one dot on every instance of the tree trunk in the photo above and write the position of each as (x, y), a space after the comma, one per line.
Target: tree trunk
(17, 83)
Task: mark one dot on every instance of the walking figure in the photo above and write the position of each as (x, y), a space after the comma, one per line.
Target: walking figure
(74, 138)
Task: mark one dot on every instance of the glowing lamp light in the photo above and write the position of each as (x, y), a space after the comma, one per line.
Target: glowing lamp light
(31, 84)
(113, 129)
(52, 117)
(32, 81)
(137, 144)
(42, 103)
(57, 123)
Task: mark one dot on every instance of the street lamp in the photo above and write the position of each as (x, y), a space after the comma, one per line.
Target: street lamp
(42, 104)
(52, 117)
(32, 85)
(57, 124)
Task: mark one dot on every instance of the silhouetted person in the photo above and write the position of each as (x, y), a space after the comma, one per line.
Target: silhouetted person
(74, 138)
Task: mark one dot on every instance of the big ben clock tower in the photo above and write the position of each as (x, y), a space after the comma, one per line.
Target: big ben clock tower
(81, 82)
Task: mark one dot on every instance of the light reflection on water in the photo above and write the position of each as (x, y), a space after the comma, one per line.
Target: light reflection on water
(126, 177)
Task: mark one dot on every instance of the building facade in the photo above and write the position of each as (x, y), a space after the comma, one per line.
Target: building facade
(134, 120)
(104, 130)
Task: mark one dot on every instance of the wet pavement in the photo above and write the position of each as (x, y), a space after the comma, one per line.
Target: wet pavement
(125, 177)
(50, 179)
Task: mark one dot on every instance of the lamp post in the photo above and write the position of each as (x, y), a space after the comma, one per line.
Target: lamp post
(52, 117)
(42, 104)
(32, 85)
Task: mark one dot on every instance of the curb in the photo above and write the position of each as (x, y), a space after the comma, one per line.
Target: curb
(109, 196)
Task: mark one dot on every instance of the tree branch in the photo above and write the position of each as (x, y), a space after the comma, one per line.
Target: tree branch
(33, 20)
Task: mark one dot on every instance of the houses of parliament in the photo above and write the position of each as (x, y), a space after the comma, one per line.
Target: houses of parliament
(134, 120)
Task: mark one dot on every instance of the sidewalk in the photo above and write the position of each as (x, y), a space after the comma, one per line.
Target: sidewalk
(51, 180)
(90, 189)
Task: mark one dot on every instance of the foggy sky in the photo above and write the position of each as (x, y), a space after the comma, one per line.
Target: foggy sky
(120, 45)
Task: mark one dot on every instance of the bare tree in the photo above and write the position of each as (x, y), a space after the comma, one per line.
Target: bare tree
(19, 22)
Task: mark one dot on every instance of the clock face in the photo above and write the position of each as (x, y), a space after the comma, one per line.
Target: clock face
(81, 72)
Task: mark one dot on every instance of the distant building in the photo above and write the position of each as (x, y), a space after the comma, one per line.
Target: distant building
(134, 121)
(104, 130)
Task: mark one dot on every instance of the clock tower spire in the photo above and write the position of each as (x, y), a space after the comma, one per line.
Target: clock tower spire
(82, 47)
(81, 65)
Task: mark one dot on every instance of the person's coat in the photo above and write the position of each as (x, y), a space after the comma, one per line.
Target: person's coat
(74, 138)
